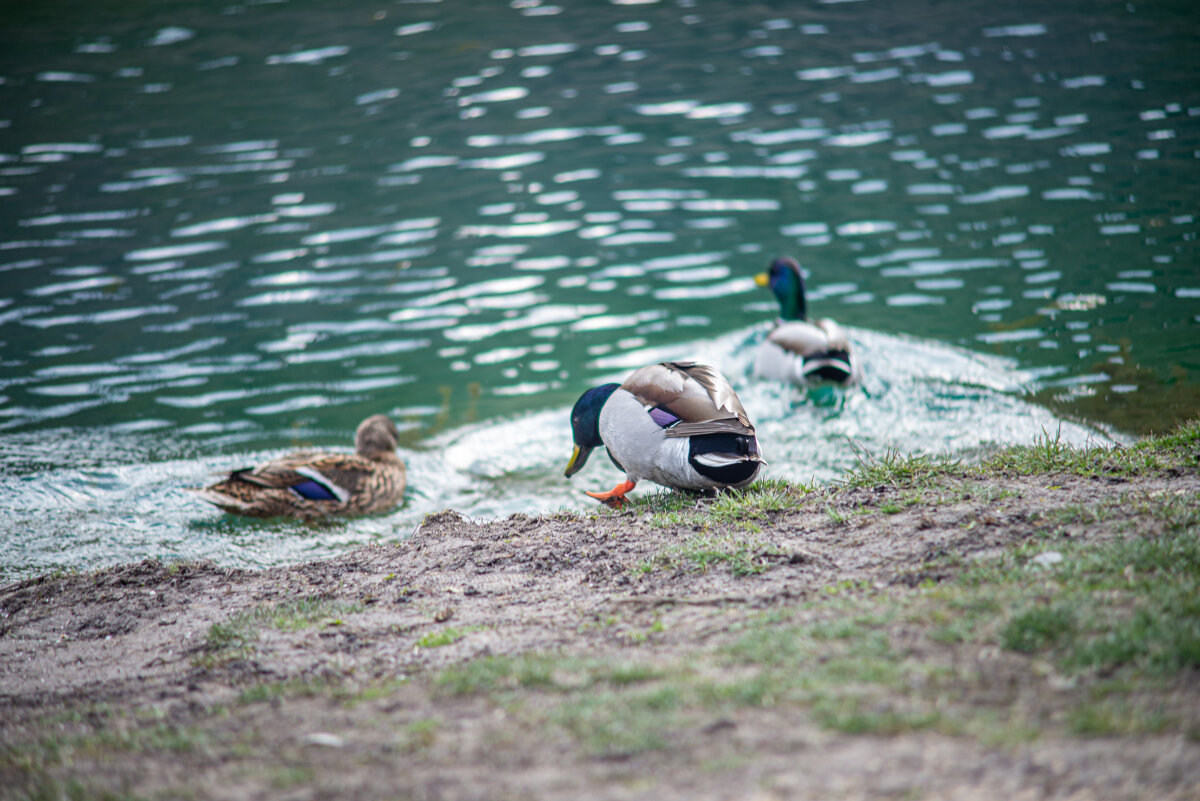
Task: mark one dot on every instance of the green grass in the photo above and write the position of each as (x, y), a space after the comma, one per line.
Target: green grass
(1117, 619)
(227, 641)
(1131, 604)
(745, 509)
(820, 659)
(304, 613)
(665, 502)
(893, 469)
(619, 722)
(1120, 714)
(608, 707)
(738, 507)
(836, 517)
(1104, 643)
(494, 674)
(922, 475)
(1183, 442)
(289, 777)
(1049, 454)
(94, 734)
(235, 638)
(1116, 622)
(757, 501)
(1037, 628)
(297, 687)
(419, 735)
(442, 637)
(45, 788)
(342, 688)
(869, 715)
(144, 737)
(932, 481)
(549, 671)
(709, 549)
(631, 707)
(840, 668)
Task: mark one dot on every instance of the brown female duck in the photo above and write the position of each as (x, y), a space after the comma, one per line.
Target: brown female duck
(311, 485)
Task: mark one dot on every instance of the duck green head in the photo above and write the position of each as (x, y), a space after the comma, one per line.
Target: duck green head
(585, 425)
(786, 281)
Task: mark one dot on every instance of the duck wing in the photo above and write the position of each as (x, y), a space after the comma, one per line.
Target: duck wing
(835, 336)
(801, 338)
(699, 398)
(822, 345)
(329, 476)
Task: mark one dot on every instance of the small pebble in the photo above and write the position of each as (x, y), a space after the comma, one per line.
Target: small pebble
(1047, 558)
(324, 738)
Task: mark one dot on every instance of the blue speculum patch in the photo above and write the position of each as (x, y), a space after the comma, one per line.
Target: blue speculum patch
(313, 491)
(662, 417)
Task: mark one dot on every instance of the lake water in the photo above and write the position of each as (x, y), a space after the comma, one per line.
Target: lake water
(230, 231)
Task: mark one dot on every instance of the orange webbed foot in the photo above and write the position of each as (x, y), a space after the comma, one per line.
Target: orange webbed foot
(615, 497)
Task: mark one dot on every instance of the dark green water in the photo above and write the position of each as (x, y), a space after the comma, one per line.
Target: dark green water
(226, 231)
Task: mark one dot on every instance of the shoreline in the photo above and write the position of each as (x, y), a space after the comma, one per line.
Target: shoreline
(923, 629)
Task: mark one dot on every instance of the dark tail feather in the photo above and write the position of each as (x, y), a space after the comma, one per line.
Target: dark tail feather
(830, 365)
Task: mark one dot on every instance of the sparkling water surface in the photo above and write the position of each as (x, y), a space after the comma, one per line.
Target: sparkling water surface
(229, 231)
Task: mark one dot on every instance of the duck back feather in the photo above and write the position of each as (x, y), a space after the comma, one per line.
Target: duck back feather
(697, 395)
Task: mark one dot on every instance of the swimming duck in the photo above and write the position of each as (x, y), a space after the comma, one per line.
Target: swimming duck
(798, 349)
(679, 424)
(310, 484)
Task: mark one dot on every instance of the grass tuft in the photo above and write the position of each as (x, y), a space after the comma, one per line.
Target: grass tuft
(709, 549)
(1152, 455)
(446, 636)
(892, 469)
(1038, 628)
(235, 638)
(1130, 605)
(737, 507)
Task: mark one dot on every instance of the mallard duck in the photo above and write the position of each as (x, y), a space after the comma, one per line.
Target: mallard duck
(310, 484)
(798, 349)
(679, 424)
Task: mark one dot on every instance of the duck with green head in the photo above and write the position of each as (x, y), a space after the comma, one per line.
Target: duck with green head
(678, 424)
(797, 349)
(311, 485)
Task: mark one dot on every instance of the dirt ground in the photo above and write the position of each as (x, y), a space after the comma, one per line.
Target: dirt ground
(159, 681)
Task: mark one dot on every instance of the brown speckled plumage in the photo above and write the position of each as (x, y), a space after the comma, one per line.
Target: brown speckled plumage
(370, 480)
